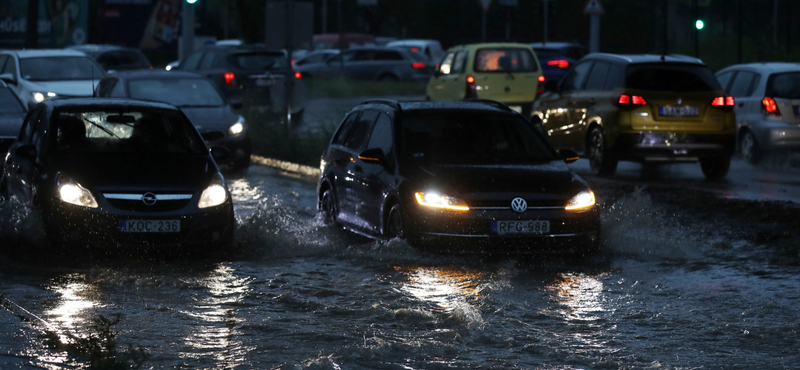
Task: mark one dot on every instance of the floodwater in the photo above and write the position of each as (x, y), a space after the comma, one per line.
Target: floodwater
(663, 295)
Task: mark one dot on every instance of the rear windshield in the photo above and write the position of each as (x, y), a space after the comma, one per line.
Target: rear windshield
(181, 92)
(126, 131)
(259, 61)
(671, 77)
(784, 85)
(473, 139)
(505, 60)
(59, 69)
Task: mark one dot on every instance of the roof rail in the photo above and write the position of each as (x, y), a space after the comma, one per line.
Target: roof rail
(494, 103)
(392, 103)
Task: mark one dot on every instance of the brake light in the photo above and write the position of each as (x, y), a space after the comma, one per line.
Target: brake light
(470, 80)
(561, 63)
(540, 85)
(625, 99)
(229, 77)
(417, 65)
(770, 107)
(541, 78)
(414, 50)
(298, 75)
(472, 90)
(723, 101)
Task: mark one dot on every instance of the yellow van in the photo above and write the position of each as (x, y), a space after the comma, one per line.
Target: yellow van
(505, 72)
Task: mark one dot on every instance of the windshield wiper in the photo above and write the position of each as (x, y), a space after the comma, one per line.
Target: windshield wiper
(103, 129)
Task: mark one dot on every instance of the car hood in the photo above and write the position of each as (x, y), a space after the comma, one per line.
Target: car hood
(211, 118)
(138, 172)
(544, 183)
(65, 88)
(10, 124)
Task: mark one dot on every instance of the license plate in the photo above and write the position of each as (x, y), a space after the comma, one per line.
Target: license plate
(261, 82)
(520, 227)
(150, 226)
(516, 108)
(679, 111)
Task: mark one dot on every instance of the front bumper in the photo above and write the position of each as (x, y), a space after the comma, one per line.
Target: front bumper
(672, 147)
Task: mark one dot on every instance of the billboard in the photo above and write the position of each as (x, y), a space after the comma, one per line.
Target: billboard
(61, 23)
(146, 24)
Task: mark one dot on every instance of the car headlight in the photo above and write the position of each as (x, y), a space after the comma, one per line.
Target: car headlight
(581, 202)
(237, 127)
(215, 194)
(73, 193)
(41, 96)
(436, 200)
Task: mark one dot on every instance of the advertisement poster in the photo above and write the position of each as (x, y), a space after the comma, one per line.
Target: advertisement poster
(146, 24)
(61, 23)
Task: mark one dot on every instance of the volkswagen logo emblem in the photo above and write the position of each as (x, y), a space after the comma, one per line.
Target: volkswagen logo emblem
(680, 101)
(519, 205)
(149, 199)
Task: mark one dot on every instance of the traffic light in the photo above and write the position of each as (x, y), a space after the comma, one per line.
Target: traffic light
(191, 1)
(699, 24)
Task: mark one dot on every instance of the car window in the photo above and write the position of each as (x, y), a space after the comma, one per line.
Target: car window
(446, 66)
(575, 78)
(615, 78)
(9, 102)
(192, 62)
(105, 86)
(784, 85)
(3, 61)
(259, 61)
(118, 91)
(181, 92)
(381, 136)
(208, 61)
(356, 137)
(10, 67)
(472, 138)
(505, 60)
(318, 58)
(671, 77)
(341, 134)
(460, 62)
(742, 84)
(390, 55)
(724, 79)
(597, 77)
(59, 69)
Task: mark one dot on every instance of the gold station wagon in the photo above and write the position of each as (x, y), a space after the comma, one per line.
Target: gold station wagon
(646, 108)
(505, 72)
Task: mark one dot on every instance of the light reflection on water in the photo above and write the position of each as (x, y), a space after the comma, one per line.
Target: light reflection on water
(77, 298)
(579, 296)
(216, 336)
(447, 288)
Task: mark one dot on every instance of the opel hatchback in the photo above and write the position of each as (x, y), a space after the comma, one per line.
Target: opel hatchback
(505, 72)
(462, 177)
(645, 108)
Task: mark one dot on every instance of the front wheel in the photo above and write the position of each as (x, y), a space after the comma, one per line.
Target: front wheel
(328, 208)
(600, 160)
(715, 168)
(395, 224)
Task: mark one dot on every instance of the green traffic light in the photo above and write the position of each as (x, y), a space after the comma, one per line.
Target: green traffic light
(699, 24)
(191, 1)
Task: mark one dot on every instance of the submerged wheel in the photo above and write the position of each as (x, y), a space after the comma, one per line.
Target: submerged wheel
(715, 168)
(328, 208)
(751, 151)
(601, 162)
(395, 225)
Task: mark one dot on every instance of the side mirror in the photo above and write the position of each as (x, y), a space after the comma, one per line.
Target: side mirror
(374, 155)
(568, 155)
(236, 103)
(9, 78)
(219, 153)
(27, 151)
(551, 86)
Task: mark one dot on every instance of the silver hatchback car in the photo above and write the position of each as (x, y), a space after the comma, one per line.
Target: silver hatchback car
(767, 107)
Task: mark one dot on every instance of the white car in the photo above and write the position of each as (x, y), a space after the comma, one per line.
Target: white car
(429, 48)
(767, 107)
(36, 75)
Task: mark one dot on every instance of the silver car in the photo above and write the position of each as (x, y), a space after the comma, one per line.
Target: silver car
(371, 63)
(767, 107)
(37, 75)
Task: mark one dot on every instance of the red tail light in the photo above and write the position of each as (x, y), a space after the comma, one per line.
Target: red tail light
(414, 50)
(638, 100)
(540, 86)
(298, 75)
(472, 90)
(625, 99)
(723, 101)
(470, 80)
(770, 107)
(229, 77)
(541, 78)
(561, 63)
(418, 65)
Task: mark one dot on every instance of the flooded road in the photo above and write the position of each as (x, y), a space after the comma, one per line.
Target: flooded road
(671, 290)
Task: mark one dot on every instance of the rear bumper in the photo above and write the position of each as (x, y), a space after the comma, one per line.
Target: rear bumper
(778, 135)
(672, 147)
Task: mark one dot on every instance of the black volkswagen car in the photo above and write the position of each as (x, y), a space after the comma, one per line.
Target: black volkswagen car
(457, 176)
(119, 173)
(214, 116)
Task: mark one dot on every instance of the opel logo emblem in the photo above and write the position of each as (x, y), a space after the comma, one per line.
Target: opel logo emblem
(519, 205)
(149, 199)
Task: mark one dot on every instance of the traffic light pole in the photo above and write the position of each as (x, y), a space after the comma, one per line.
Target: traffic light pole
(187, 30)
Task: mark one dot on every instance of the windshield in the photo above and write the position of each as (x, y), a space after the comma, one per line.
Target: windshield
(467, 138)
(131, 131)
(505, 60)
(59, 69)
(9, 102)
(784, 85)
(179, 92)
(671, 77)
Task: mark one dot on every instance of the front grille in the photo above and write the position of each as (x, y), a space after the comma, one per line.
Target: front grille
(135, 202)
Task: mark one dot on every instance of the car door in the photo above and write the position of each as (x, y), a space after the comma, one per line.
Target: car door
(23, 170)
(748, 105)
(362, 66)
(338, 156)
(557, 110)
(376, 176)
(449, 82)
(351, 201)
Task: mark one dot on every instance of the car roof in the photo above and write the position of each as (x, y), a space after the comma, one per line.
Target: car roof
(155, 73)
(419, 107)
(555, 45)
(100, 47)
(38, 53)
(242, 48)
(645, 58)
(492, 45)
(100, 103)
(771, 67)
(412, 42)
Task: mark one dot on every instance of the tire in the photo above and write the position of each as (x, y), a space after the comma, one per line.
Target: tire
(601, 162)
(395, 224)
(328, 208)
(751, 151)
(715, 168)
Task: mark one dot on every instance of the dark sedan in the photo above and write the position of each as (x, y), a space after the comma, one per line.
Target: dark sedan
(456, 176)
(119, 173)
(214, 116)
